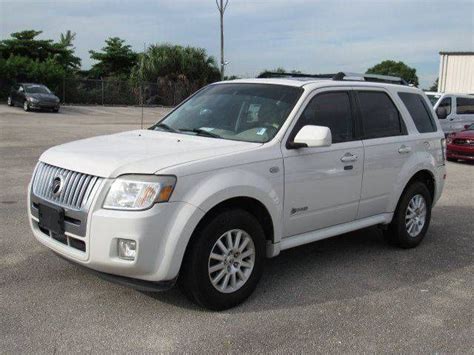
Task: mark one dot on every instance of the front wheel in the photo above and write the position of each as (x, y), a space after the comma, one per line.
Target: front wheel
(224, 261)
(412, 217)
(26, 106)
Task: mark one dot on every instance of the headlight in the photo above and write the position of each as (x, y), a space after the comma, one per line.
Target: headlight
(32, 99)
(139, 192)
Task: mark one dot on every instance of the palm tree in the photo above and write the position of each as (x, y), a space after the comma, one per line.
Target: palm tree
(67, 38)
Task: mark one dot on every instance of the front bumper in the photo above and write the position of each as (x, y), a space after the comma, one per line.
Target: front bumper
(161, 234)
(43, 105)
(460, 152)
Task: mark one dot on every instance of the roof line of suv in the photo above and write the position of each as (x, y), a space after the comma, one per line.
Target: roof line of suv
(387, 79)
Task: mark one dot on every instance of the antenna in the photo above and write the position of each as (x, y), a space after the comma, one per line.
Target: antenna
(141, 81)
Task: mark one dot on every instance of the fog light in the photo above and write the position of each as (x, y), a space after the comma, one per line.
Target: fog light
(127, 249)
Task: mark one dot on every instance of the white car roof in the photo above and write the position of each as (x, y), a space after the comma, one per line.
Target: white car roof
(311, 83)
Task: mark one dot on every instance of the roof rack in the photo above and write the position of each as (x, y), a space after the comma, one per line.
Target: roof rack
(370, 77)
(269, 74)
(339, 77)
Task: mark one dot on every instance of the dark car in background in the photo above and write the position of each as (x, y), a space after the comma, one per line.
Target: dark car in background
(33, 97)
(461, 144)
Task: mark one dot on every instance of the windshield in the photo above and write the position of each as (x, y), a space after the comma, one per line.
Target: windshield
(244, 112)
(37, 89)
(433, 98)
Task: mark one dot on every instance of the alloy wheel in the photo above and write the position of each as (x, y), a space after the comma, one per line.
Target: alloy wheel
(231, 261)
(415, 216)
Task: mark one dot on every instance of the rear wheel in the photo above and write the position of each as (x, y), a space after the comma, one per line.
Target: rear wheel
(9, 101)
(26, 106)
(412, 217)
(224, 261)
(56, 110)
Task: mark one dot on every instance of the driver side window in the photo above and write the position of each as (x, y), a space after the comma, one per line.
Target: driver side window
(330, 109)
(446, 104)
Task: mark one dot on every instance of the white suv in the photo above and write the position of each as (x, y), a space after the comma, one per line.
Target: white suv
(239, 171)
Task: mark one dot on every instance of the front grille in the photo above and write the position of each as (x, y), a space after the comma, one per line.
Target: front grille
(462, 141)
(76, 191)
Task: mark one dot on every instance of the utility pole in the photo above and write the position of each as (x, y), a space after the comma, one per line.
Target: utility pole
(221, 6)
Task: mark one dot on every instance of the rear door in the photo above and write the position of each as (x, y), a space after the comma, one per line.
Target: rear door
(387, 147)
(322, 185)
(448, 104)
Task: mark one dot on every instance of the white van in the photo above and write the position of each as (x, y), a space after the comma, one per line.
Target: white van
(455, 111)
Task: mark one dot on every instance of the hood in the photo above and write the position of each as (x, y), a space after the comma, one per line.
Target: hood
(46, 97)
(137, 152)
(464, 134)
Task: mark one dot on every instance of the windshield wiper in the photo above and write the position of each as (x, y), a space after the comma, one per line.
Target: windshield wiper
(201, 132)
(166, 127)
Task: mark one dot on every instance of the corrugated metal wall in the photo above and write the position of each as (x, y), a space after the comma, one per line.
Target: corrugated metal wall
(456, 73)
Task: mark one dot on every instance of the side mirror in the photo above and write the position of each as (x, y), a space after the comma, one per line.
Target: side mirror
(311, 137)
(441, 113)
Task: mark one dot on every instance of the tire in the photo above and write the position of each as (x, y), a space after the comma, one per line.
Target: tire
(26, 107)
(403, 233)
(199, 267)
(9, 101)
(56, 110)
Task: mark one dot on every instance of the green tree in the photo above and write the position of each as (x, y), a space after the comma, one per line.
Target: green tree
(176, 62)
(434, 87)
(116, 59)
(18, 68)
(400, 69)
(25, 44)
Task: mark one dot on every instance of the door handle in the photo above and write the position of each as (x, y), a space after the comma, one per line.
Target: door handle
(348, 157)
(404, 149)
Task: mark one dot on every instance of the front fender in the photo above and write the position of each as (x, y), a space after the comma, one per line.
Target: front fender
(207, 190)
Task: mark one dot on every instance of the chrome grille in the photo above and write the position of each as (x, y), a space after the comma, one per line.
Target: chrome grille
(462, 141)
(77, 189)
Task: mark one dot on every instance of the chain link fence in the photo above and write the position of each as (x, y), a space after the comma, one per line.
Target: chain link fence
(118, 92)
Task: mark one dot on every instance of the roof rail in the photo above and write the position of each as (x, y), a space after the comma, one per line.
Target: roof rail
(269, 74)
(370, 77)
(339, 77)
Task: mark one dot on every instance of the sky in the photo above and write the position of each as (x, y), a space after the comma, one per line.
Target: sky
(313, 36)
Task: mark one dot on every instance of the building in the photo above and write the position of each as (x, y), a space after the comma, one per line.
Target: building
(456, 72)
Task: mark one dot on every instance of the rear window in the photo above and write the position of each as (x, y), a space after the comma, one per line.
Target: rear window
(464, 106)
(380, 116)
(419, 111)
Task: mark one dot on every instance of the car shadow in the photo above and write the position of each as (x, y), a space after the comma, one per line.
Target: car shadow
(355, 264)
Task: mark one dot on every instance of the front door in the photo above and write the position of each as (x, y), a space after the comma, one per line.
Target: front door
(322, 185)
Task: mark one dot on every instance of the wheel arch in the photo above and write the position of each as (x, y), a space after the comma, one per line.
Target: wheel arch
(246, 203)
(423, 175)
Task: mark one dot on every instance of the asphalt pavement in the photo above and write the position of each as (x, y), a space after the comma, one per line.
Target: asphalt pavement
(348, 294)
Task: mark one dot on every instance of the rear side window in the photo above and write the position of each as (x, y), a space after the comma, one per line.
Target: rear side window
(419, 111)
(464, 106)
(446, 104)
(333, 110)
(380, 117)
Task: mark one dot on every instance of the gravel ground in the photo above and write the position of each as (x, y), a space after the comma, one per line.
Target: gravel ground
(351, 293)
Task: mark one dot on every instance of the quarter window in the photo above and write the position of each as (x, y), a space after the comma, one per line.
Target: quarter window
(446, 104)
(419, 112)
(380, 117)
(333, 110)
(464, 106)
